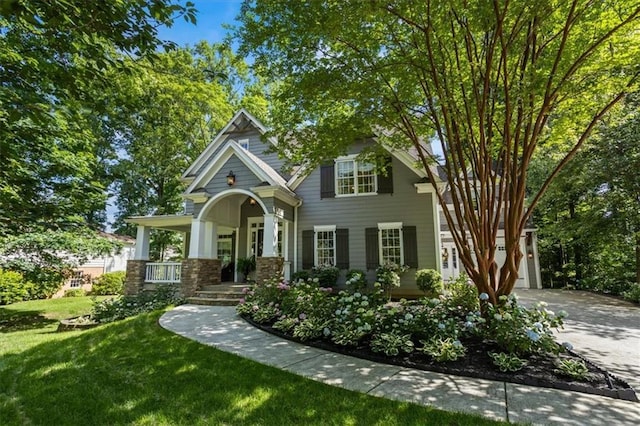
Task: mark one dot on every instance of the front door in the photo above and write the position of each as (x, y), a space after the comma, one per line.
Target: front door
(450, 262)
(256, 238)
(225, 254)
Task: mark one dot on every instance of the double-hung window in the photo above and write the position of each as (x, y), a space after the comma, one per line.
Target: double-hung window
(325, 245)
(390, 243)
(355, 177)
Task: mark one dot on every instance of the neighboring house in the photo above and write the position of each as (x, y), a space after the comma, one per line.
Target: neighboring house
(83, 275)
(239, 203)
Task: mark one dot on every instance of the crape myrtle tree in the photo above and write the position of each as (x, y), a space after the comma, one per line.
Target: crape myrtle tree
(489, 81)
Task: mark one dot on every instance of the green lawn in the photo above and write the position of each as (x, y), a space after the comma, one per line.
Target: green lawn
(134, 372)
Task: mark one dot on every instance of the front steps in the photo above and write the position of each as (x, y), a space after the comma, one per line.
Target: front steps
(226, 294)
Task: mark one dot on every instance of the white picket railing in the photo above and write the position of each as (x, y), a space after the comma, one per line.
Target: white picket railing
(166, 272)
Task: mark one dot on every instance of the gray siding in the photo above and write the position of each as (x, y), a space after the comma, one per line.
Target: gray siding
(357, 213)
(245, 178)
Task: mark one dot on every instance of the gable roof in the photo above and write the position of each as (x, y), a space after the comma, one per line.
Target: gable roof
(221, 137)
(262, 170)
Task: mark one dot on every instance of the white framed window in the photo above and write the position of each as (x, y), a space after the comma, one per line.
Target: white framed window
(255, 237)
(77, 279)
(244, 143)
(355, 177)
(390, 243)
(325, 245)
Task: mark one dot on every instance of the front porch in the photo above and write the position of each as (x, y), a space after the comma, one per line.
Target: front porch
(234, 224)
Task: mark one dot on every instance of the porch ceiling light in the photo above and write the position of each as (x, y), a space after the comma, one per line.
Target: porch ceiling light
(231, 178)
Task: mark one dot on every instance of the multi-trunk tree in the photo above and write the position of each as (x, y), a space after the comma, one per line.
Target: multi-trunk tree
(490, 82)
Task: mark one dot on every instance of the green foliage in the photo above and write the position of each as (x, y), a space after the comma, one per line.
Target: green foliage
(118, 308)
(246, 265)
(391, 344)
(311, 328)
(109, 284)
(507, 362)
(443, 350)
(463, 293)
(300, 275)
(327, 275)
(575, 369)
(356, 280)
(388, 275)
(75, 292)
(429, 281)
(47, 258)
(518, 330)
(633, 294)
(13, 287)
(517, 87)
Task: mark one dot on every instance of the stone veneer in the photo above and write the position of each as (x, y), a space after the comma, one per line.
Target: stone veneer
(268, 267)
(197, 273)
(134, 281)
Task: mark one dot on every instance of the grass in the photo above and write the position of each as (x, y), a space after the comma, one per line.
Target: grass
(134, 372)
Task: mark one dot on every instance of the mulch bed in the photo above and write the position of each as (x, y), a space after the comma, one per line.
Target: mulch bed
(538, 371)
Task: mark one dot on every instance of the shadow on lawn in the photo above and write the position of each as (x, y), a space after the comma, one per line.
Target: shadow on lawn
(135, 372)
(22, 320)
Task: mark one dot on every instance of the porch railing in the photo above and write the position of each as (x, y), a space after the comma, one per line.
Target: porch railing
(167, 272)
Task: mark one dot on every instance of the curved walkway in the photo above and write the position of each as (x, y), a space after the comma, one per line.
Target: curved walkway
(222, 328)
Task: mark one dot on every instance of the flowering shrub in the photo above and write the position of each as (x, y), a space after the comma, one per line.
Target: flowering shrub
(463, 293)
(327, 275)
(442, 325)
(429, 281)
(519, 330)
(388, 275)
(356, 280)
(122, 307)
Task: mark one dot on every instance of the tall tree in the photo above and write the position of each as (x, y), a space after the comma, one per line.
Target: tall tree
(489, 81)
(53, 54)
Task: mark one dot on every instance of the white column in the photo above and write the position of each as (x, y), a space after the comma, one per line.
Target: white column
(142, 243)
(211, 238)
(270, 243)
(197, 242)
(436, 231)
(536, 259)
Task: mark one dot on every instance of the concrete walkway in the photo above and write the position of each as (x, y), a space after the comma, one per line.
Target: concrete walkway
(222, 328)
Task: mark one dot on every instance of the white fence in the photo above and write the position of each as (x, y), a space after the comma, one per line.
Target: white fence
(163, 272)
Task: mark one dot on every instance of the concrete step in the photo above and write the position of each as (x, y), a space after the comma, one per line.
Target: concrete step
(218, 294)
(236, 287)
(212, 302)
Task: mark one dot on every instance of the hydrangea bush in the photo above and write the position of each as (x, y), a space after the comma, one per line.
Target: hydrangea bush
(122, 307)
(437, 327)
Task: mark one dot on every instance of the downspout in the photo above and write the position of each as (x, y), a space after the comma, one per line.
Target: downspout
(295, 237)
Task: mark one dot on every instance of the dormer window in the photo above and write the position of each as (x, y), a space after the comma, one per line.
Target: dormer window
(244, 143)
(355, 177)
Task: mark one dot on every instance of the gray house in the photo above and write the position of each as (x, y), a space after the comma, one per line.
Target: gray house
(239, 203)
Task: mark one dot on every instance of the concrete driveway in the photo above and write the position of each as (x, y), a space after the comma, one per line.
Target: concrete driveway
(603, 329)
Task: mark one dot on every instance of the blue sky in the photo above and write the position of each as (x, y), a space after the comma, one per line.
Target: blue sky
(211, 15)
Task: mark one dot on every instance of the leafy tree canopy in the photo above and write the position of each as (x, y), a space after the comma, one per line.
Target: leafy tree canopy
(489, 81)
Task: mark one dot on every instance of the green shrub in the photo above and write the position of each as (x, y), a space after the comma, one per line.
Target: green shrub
(300, 275)
(327, 275)
(429, 281)
(110, 283)
(388, 275)
(122, 307)
(392, 343)
(356, 280)
(633, 294)
(246, 265)
(443, 350)
(462, 294)
(13, 287)
(74, 292)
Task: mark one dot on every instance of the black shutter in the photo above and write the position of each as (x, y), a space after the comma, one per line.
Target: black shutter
(342, 248)
(327, 181)
(307, 249)
(385, 181)
(410, 243)
(371, 247)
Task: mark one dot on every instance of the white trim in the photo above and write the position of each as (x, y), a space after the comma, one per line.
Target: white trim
(436, 230)
(324, 228)
(219, 139)
(390, 226)
(276, 192)
(354, 159)
(205, 209)
(244, 143)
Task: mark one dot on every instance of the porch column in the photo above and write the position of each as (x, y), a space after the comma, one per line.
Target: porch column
(270, 244)
(200, 244)
(142, 243)
(211, 240)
